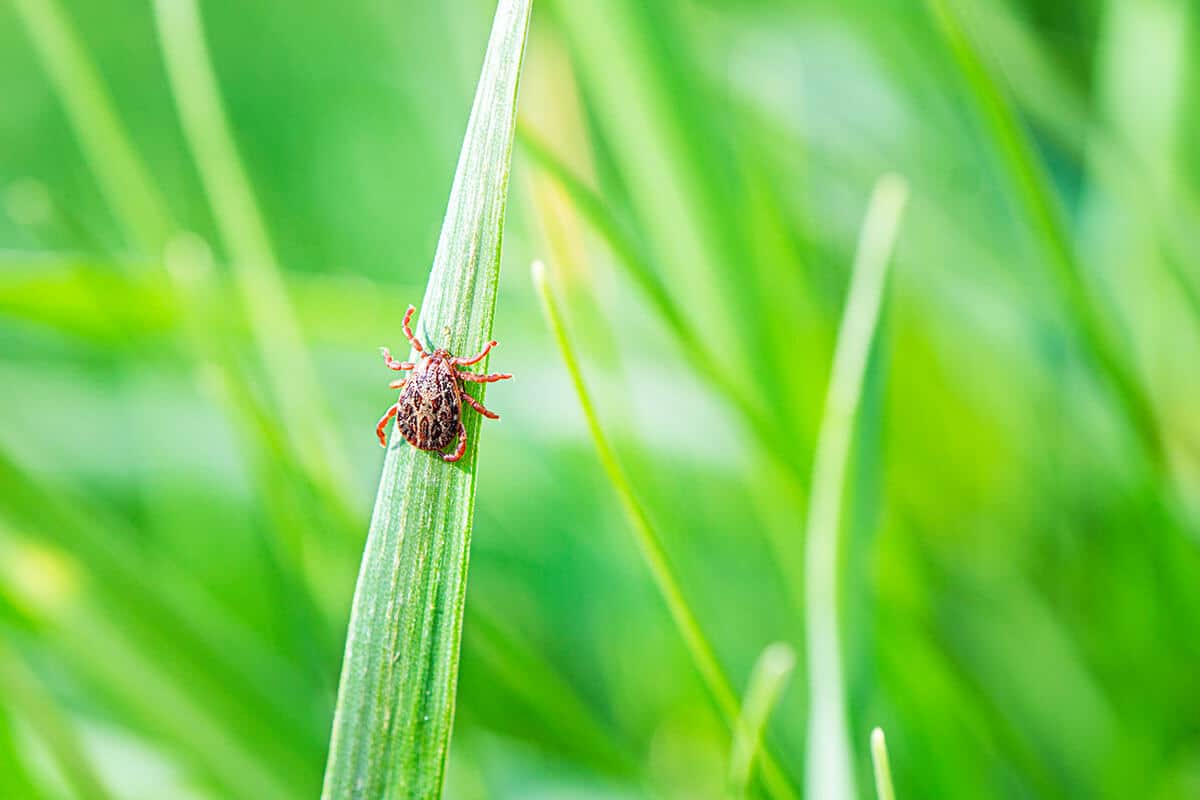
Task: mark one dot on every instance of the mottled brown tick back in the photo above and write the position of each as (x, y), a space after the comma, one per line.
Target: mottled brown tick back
(429, 407)
(429, 411)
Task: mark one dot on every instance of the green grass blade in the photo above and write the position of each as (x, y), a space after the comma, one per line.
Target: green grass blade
(526, 673)
(767, 681)
(650, 545)
(122, 176)
(136, 201)
(227, 673)
(883, 769)
(830, 772)
(593, 208)
(1045, 218)
(15, 780)
(629, 256)
(26, 692)
(256, 270)
(653, 151)
(395, 708)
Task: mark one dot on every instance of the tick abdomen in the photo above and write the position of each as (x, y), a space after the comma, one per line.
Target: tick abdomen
(429, 406)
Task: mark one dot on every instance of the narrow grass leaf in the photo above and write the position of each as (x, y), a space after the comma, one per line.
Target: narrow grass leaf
(123, 178)
(395, 708)
(216, 693)
(593, 208)
(15, 780)
(883, 769)
(767, 681)
(29, 695)
(650, 544)
(527, 673)
(256, 270)
(137, 202)
(1045, 218)
(636, 113)
(829, 772)
(630, 256)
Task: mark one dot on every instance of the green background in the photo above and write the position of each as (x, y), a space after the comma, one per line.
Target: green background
(1021, 581)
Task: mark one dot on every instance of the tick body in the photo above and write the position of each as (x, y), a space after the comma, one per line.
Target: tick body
(429, 411)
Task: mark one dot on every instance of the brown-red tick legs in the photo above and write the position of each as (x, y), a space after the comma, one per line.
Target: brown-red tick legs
(462, 445)
(466, 362)
(383, 421)
(408, 331)
(478, 406)
(393, 363)
(473, 376)
(398, 384)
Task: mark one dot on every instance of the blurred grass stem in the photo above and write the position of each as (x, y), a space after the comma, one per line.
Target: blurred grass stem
(1045, 218)
(830, 772)
(767, 682)
(135, 200)
(883, 770)
(650, 544)
(285, 357)
(25, 692)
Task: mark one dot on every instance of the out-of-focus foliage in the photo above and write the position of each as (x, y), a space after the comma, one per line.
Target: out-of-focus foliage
(1021, 581)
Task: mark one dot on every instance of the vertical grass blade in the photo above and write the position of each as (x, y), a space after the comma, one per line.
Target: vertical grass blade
(830, 772)
(650, 544)
(1045, 218)
(256, 269)
(58, 734)
(138, 205)
(395, 707)
(628, 255)
(883, 769)
(122, 176)
(767, 681)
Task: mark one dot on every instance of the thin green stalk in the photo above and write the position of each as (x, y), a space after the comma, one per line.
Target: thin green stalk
(830, 772)
(15, 778)
(123, 178)
(395, 706)
(215, 667)
(767, 682)
(654, 149)
(1040, 206)
(593, 209)
(691, 345)
(528, 674)
(883, 769)
(136, 201)
(782, 479)
(256, 270)
(650, 545)
(27, 693)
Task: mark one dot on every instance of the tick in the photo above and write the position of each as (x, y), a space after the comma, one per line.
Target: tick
(429, 411)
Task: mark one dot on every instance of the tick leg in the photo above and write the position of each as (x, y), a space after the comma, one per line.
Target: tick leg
(474, 376)
(383, 421)
(466, 362)
(408, 331)
(398, 384)
(462, 445)
(393, 363)
(478, 406)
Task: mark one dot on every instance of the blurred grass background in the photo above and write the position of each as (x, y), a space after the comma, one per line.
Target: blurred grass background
(1021, 582)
